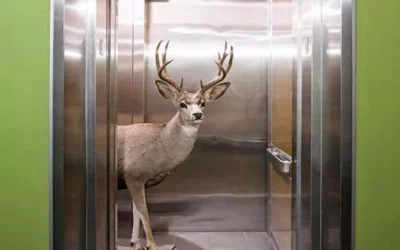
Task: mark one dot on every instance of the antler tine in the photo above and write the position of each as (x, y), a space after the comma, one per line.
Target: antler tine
(157, 56)
(221, 71)
(164, 56)
(162, 67)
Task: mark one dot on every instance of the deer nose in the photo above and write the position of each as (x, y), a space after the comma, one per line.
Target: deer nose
(197, 116)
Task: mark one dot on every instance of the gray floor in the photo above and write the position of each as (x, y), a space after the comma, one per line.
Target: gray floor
(210, 241)
(282, 239)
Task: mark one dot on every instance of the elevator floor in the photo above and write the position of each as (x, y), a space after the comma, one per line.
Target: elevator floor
(209, 241)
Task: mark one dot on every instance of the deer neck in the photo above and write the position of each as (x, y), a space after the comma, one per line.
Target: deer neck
(178, 128)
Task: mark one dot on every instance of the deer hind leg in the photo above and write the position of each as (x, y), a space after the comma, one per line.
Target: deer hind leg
(138, 196)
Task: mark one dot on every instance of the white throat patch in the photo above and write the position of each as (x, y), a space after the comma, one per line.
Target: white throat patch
(190, 129)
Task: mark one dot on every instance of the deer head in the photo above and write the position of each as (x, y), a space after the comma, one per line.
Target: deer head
(190, 105)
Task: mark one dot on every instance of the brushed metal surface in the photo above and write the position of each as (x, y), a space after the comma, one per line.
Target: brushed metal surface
(331, 126)
(326, 141)
(101, 124)
(124, 38)
(74, 126)
(282, 74)
(57, 127)
(197, 30)
(112, 120)
(304, 231)
(281, 117)
(347, 150)
(138, 64)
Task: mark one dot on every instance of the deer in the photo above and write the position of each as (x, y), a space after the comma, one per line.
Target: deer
(148, 152)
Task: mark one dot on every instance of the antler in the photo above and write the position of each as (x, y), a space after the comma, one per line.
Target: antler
(221, 71)
(162, 68)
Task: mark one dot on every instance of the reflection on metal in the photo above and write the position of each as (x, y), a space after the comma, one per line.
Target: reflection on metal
(280, 161)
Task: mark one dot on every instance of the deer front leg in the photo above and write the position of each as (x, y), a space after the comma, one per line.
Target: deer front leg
(138, 196)
(135, 244)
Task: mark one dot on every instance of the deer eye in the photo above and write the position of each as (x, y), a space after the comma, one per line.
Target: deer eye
(183, 105)
(203, 104)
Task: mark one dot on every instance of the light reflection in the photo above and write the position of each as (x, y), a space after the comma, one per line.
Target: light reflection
(285, 52)
(82, 7)
(71, 54)
(334, 52)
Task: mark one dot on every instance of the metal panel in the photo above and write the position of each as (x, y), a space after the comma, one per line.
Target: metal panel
(125, 61)
(90, 124)
(112, 120)
(281, 107)
(101, 128)
(317, 122)
(304, 231)
(74, 126)
(57, 128)
(138, 39)
(282, 71)
(330, 181)
(296, 129)
(347, 116)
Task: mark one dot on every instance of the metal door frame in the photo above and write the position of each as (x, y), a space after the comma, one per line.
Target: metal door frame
(347, 134)
(91, 52)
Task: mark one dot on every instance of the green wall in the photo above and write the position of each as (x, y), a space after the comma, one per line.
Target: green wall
(378, 125)
(24, 129)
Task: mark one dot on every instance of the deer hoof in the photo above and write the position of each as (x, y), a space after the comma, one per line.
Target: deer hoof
(136, 246)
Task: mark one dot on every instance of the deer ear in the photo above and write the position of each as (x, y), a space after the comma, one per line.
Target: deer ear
(216, 91)
(166, 90)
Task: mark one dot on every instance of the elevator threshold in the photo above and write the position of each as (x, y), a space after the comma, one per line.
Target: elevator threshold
(209, 241)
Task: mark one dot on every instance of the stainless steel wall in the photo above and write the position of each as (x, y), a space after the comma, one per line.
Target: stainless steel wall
(280, 111)
(197, 30)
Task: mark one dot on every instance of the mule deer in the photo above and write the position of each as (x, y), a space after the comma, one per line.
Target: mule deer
(147, 152)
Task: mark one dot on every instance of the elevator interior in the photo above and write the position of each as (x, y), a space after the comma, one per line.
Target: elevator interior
(220, 192)
(272, 166)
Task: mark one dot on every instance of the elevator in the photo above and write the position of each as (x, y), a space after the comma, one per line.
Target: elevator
(272, 164)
